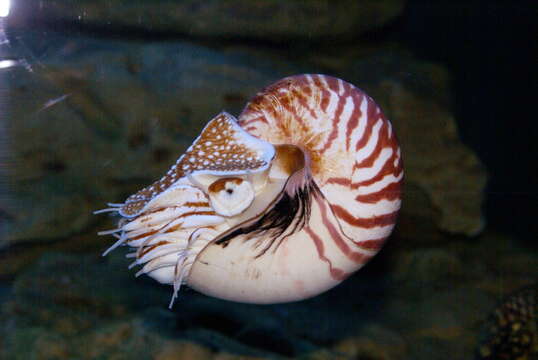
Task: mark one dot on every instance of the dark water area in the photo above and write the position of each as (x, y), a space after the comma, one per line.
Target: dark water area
(99, 99)
(489, 47)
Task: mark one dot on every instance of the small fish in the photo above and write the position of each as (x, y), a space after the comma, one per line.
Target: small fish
(55, 101)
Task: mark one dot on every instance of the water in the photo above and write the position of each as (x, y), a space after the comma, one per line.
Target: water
(98, 101)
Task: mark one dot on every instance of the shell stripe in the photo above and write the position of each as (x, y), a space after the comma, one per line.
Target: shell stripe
(303, 101)
(287, 104)
(337, 100)
(390, 192)
(253, 120)
(391, 166)
(336, 235)
(337, 118)
(380, 143)
(372, 244)
(367, 223)
(376, 147)
(371, 120)
(348, 110)
(354, 118)
(336, 273)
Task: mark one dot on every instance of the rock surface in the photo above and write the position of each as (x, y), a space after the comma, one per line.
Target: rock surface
(265, 19)
(82, 307)
(85, 306)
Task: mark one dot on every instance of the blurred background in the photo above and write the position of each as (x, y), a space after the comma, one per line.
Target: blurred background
(98, 98)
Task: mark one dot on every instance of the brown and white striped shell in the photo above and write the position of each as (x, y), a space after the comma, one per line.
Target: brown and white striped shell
(280, 205)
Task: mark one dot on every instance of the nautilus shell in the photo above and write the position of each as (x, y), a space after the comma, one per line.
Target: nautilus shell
(279, 205)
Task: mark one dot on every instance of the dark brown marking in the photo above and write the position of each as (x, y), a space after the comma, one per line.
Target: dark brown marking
(335, 121)
(196, 204)
(149, 248)
(337, 237)
(373, 244)
(339, 181)
(325, 99)
(366, 223)
(390, 192)
(301, 97)
(387, 169)
(371, 120)
(190, 213)
(355, 116)
(332, 82)
(337, 274)
(260, 118)
(374, 155)
(149, 233)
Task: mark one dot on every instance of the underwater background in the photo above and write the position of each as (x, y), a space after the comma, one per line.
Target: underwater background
(98, 98)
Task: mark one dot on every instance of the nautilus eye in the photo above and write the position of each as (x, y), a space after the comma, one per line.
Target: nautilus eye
(279, 205)
(230, 196)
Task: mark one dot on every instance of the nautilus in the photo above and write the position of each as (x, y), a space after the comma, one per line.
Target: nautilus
(278, 205)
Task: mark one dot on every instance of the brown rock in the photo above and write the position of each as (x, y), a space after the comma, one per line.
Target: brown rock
(376, 343)
(183, 351)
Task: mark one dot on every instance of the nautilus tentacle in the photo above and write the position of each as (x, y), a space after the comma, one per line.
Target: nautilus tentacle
(280, 205)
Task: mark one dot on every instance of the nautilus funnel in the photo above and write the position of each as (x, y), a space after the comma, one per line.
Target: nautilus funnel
(279, 205)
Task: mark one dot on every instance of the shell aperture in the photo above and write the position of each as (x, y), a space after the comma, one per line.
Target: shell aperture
(280, 205)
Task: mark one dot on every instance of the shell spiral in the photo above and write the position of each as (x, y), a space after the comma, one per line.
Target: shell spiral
(303, 195)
